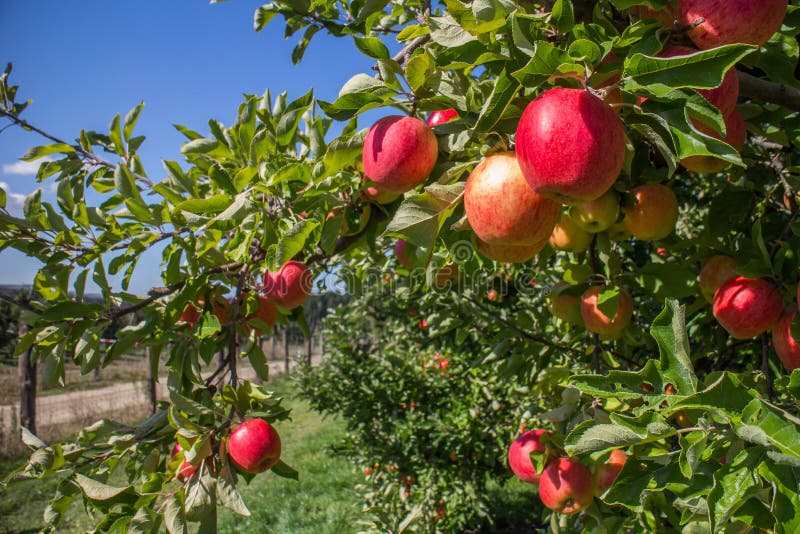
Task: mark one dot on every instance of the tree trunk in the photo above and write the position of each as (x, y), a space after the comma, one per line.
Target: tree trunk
(286, 350)
(27, 380)
(152, 374)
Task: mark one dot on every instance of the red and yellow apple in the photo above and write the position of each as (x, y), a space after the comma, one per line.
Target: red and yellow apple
(509, 253)
(441, 116)
(655, 213)
(746, 307)
(570, 237)
(566, 486)
(596, 215)
(570, 145)
(254, 446)
(291, 285)
(596, 321)
(565, 307)
(186, 469)
(520, 451)
(716, 271)
(401, 252)
(786, 346)
(732, 21)
(605, 474)
(266, 313)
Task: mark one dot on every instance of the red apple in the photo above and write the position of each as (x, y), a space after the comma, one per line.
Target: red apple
(746, 307)
(291, 285)
(399, 153)
(570, 145)
(655, 213)
(566, 486)
(186, 469)
(731, 21)
(221, 307)
(509, 253)
(492, 295)
(565, 307)
(736, 133)
(519, 455)
(568, 236)
(191, 314)
(267, 313)
(605, 474)
(716, 271)
(598, 322)
(596, 215)
(254, 446)
(724, 97)
(441, 116)
(786, 346)
(502, 209)
(401, 253)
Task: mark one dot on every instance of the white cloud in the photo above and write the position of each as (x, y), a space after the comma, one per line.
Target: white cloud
(13, 200)
(24, 168)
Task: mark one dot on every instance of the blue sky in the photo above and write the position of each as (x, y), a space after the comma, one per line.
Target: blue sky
(188, 60)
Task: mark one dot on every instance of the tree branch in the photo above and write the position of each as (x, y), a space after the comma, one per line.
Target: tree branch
(766, 91)
(24, 305)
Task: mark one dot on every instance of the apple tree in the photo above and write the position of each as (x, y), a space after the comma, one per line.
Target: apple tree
(598, 157)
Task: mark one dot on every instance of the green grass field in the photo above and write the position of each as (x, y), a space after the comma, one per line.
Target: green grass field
(323, 501)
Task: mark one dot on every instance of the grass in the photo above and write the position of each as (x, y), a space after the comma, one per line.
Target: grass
(323, 501)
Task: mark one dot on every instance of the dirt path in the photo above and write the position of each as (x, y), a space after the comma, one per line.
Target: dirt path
(94, 403)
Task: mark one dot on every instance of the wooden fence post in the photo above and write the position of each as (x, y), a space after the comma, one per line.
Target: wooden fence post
(27, 380)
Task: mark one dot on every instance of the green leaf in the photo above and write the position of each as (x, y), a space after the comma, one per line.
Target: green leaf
(98, 492)
(372, 47)
(130, 120)
(227, 493)
(115, 134)
(692, 446)
(42, 151)
(591, 437)
(175, 516)
(733, 485)
(2, 198)
(420, 217)
(447, 32)
(505, 89)
(638, 479)
(786, 499)
(669, 331)
(283, 470)
(562, 15)
(293, 241)
(206, 206)
(541, 66)
(419, 70)
(199, 146)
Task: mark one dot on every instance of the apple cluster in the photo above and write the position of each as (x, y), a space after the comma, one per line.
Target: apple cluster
(565, 484)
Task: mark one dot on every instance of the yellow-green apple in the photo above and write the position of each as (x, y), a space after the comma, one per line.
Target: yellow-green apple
(564, 306)
(401, 252)
(596, 215)
(606, 473)
(509, 253)
(724, 96)
(291, 285)
(570, 145)
(566, 486)
(735, 135)
(746, 307)
(786, 346)
(399, 153)
(441, 116)
(374, 193)
(254, 446)
(731, 21)
(267, 313)
(618, 232)
(598, 322)
(520, 451)
(568, 236)
(655, 213)
(186, 469)
(716, 271)
(502, 209)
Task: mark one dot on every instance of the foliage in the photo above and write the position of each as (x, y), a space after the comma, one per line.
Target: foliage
(276, 185)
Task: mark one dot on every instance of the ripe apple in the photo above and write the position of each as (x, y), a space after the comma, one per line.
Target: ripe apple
(254, 446)
(399, 153)
(221, 307)
(509, 253)
(492, 295)
(746, 307)
(665, 16)
(723, 97)
(401, 250)
(441, 116)
(735, 135)
(191, 314)
(716, 271)
(186, 469)
(568, 236)
(519, 454)
(732, 21)
(598, 322)
(267, 313)
(566, 486)
(655, 213)
(570, 145)
(618, 232)
(502, 209)
(605, 474)
(447, 276)
(565, 307)
(291, 285)
(786, 346)
(596, 215)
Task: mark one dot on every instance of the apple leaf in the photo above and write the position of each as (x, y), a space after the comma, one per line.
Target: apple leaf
(283, 470)
(420, 217)
(505, 89)
(786, 500)
(669, 331)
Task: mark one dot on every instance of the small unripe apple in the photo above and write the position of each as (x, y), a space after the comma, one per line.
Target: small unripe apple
(732, 21)
(568, 236)
(570, 145)
(786, 346)
(605, 474)
(716, 271)
(267, 313)
(735, 135)
(399, 153)
(596, 321)
(618, 232)
(654, 215)
(502, 209)
(519, 454)
(254, 446)
(565, 307)
(441, 116)
(746, 307)
(596, 215)
(509, 253)
(291, 285)
(566, 486)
